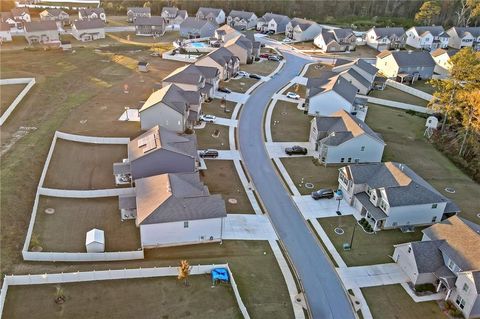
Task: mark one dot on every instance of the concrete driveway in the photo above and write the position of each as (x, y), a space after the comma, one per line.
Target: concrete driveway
(248, 227)
(370, 276)
(232, 97)
(312, 209)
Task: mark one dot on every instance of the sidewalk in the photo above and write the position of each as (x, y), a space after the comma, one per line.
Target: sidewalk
(232, 97)
(226, 122)
(313, 209)
(248, 227)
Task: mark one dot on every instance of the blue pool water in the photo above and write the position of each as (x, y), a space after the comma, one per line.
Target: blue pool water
(198, 44)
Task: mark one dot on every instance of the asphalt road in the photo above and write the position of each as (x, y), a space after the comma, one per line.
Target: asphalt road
(324, 291)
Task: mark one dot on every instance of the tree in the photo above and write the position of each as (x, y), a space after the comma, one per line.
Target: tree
(427, 12)
(184, 271)
(468, 10)
(470, 116)
(59, 295)
(147, 4)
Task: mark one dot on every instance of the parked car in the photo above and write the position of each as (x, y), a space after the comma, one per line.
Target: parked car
(292, 95)
(224, 90)
(264, 55)
(208, 154)
(287, 40)
(255, 76)
(271, 32)
(208, 118)
(322, 193)
(274, 58)
(242, 74)
(296, 150)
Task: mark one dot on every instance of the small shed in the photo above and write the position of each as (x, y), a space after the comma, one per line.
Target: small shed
(95, 241)
(143, 66)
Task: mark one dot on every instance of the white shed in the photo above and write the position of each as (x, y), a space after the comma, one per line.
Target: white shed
(95, 241)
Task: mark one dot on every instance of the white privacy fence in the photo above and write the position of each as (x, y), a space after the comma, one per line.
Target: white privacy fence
(399, 105)
(92, 139)
(30, 82)
(71, 277)
(409, 90)
(96, 193)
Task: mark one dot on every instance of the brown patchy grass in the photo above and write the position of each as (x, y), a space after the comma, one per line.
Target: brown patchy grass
(205, 138)
(8, 93)
(240, 85)
(262, 67)
(214, 108)
(315, 70)
(297, 88)
(289, 124)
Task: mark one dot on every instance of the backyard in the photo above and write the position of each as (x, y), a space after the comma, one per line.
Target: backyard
(8, 93)
(161, 297)
(392, 94)
(289, 124)
(403, 134)
(66, 228)
(214, 108)
(307, 170)
(212, 136)
(221, 178)
(423, 86)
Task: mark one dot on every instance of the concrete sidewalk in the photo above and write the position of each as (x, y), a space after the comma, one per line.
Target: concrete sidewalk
(225, 122)
(248, 227)
(371, 276)
(312, 209)
(277, 149)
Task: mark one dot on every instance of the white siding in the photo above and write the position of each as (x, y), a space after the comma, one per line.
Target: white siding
(470, 296)
(388, 66)
(353, 149)
(327, 103)
(414, 215)
(162, 115)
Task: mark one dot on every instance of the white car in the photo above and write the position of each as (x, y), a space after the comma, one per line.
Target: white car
(292, 95)
(287, 40)
(243, 74)
(208, 118)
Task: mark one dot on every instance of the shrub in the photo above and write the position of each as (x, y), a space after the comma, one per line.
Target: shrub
(449, 305)
(425, 287)
(455, 313)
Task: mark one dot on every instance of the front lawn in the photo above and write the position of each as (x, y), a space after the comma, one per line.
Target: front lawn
(240, 85)
(214, 108)
(315, 70)
(297, 88)
(263, 67)
(396, 95)
(289, 124)
(213, 136)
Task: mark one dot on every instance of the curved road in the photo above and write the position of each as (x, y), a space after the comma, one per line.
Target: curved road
(324, 291)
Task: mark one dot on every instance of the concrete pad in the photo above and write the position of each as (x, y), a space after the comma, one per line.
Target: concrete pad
(248, 227)
(277, 149)
(312, 209)
(225, 155)
(299, 80)
(226, 122)
(285, 98)
(130, 115)
(370, 276)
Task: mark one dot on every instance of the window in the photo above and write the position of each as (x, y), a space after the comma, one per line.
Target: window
(434, 219)
(460, 302)
(409, 249)
(434, 206)
(323, 159)
(362, 148)
(465, 287)
(349, 160)
(185, 224)
(451, 265)
(342, 160)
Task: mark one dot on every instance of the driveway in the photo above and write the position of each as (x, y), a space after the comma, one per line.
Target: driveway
(374, 275)
(277, 149)
(325, 293)
(313, 209)
(232, 97)
(248, 227)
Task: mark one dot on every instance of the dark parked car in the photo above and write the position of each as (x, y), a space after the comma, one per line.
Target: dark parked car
(254, 76)
(323, 193)
(296, 150)
(209, 154)
(224, 90)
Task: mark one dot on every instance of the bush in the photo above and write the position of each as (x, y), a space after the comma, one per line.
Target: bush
(449, 305)
(455, 313)
(425, 288)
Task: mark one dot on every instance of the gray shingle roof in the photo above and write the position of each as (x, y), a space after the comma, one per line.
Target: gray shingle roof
(389, 32)
(150, 21)
(171, 10)
(427, 256)
(474, 31)
(196, 24)
(357, 76)
(88, 11)
(89, 24)
(209, 12)
(171, 95)
(434, 30)
(37, 26)
(221, 55)
(410, 58)
(241, 14)
(303, 23)
(376, 212)
(367, 67)
(139, 10)
(281, 20)
(55, 12)
(440, 51)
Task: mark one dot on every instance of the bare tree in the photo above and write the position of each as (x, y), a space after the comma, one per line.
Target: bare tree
(184, 271)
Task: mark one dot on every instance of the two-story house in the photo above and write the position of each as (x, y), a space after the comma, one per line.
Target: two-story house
(343, 138)
(92, 13)
(173, 16)
(59, 16)
(427, 38)
(362, 74)
(88, 30)
(203, 79)
(211, 14)
(136, 12)
(336, 40)
(150, 26)
(225, 33)
(224, 60)
(447, 257)
(302, 30)
(21, 14)
(242, 20)
(386, 38)
(5, 35)
(406, 65)
(272, 23)
(391, 195)
(464, 37)
(443, 63)
(41, 32)
(243, 48)
(193, 28)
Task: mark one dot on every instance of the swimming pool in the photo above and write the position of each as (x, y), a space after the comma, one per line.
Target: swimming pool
(198, 44)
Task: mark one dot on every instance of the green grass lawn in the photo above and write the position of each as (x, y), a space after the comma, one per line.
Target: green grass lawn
(392, 94)
(289, 124)
(403, 134)
(214, 108)
(262, 67)
(311, 172)
(367, 249)
(213, 136)
(423, 86)
(393, 302)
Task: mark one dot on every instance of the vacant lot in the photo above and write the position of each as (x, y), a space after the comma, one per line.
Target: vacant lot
(316, 70)
(8, 93)
(240, 85)
(403, 134)
(308, 45)
(367, 249)
(289, 124)
(65, 230)
(297, 88)
(222, 178)
(307, 170)
(213, 136)
(161, 297)
(215, 108)
(393, 302)
(262, 67)
(392, 94)
(77, 165)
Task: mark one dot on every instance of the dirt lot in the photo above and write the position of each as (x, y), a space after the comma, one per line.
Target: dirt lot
(214, 108)
(65, 230)
(222, 178)
(262, 67)
(240, 85)
(161, 297)
(289, 124)
(206, 137)
(83, 166)
(8, 93)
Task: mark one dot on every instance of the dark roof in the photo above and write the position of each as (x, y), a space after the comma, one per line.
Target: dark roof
(389, 32)
(410, 58)
(374, 211)
(170, 95)
(38, 26)
(281, 20)
(191, 74)
(194, 23)
(55, 12)
(367, 67)
(212, 12)
(241, 14)
(357, 76)
(474, 31)
(150, 21)
(170, 10)
(304, 24)
(434, 30)
(221, 55)
(89, 24)
(427, 256)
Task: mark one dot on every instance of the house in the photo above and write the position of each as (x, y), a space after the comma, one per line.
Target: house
(362, 74)
(336, 40)
(5, 35)
(136, 12)
(406, 65)
(244, 48)
(327, 96)
(427, 38)
(391, 195)
(149, 26)
(211, 14)
(157, 151)
(464, 37)
(302, 30)
(92, 13)
(175, 209)
(202, 79)
(272, 23)
(173, 16)
(7, 17)
(386, 38)
(242, 20)
(21, 14)
(225, 33)
(224, 60)
(41, 32)
(447, 257)
(193, 28)
(88, 30)
(442, 59)
(59, 16)
(142, 66)
(171, 107)
(342, 138)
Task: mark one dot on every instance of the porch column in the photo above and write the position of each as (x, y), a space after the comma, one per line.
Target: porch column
(376, 225)
(448, 294)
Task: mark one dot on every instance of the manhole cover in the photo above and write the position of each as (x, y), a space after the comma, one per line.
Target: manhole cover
(450, 190)
(232, 201)
(49, 211)
(309, 185)
(478, 215)
(339, 231)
